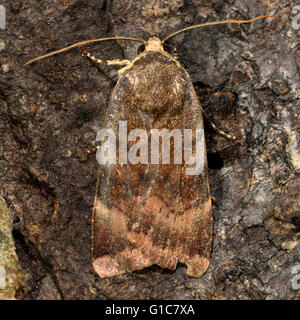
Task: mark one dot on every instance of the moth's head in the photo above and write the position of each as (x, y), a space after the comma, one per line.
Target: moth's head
(154, 44)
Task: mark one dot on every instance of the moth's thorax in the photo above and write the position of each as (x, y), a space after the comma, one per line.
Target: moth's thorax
(154, 44)
(155, 83)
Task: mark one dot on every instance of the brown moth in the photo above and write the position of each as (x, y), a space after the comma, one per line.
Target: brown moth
(147, 214)
(147, 211)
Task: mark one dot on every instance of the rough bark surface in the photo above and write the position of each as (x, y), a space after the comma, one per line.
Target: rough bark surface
(50, 113)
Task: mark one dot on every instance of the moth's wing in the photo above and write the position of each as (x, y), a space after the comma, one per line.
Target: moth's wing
(149, 214)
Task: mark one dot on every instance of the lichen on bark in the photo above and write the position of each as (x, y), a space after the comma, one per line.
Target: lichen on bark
(11, 277)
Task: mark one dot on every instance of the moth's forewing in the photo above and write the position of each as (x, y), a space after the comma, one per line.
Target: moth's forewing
(149, 214)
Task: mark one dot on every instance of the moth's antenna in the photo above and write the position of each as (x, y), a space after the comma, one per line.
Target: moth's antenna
(213, 24)
(80, 44)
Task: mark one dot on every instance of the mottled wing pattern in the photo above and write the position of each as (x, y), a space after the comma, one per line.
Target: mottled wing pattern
(149, 214)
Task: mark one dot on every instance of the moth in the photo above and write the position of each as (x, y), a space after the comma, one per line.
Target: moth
(152, 206)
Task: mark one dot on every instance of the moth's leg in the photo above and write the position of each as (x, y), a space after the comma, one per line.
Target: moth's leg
(120, 62)
(92, 150)
(219, 131)
(222, 97)
(214, 201)
(175, 53)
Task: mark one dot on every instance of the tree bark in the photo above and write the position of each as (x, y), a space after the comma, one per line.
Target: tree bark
(51, 110)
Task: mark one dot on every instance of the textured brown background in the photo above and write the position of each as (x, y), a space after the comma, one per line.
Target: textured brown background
(50, 112)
